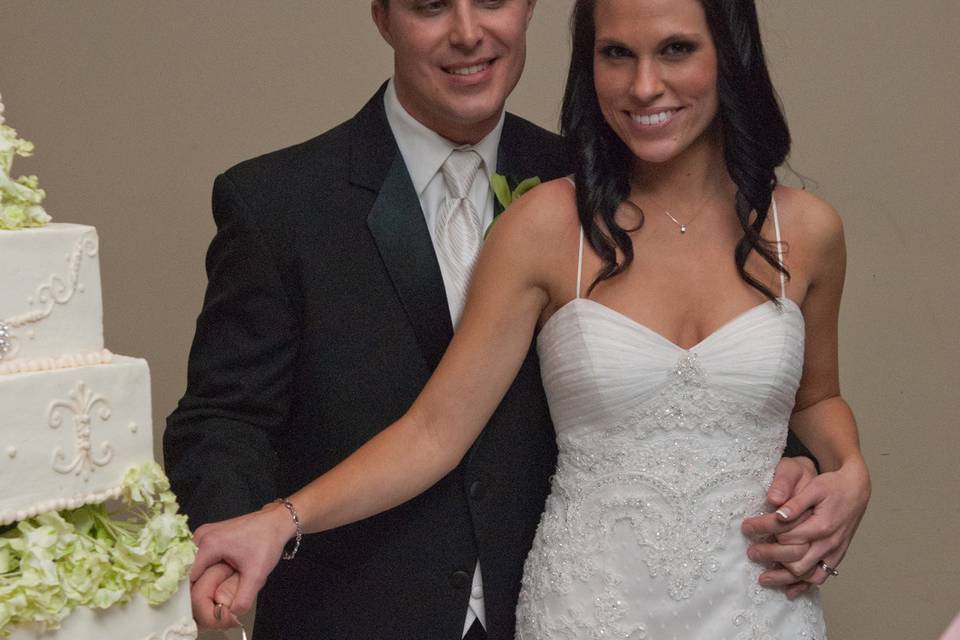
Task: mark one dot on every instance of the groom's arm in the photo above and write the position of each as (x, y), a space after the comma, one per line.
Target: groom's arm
(219, 444)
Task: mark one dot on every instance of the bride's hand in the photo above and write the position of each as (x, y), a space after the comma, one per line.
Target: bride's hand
(815, 525)
(251, 544)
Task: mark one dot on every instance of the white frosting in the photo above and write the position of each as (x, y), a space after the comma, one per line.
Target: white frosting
(136, 620)
(71, 433)
(50, 283)
(24, 365)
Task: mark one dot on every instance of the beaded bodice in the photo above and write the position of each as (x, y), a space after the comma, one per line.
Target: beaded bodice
(662, 452)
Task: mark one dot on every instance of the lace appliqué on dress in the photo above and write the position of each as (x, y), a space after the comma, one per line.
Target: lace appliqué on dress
(674, 477)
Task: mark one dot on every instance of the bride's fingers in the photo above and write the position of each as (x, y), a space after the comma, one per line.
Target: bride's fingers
(769, 524)
(827, 551)
(249, 586)
(208, 555)
(812, 495)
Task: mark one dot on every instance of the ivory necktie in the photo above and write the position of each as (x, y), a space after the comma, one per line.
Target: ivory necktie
(459, 232)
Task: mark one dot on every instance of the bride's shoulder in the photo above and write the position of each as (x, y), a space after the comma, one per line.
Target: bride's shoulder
(548, 212)
(808, 220)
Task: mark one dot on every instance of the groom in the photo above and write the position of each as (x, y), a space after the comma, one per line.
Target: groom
(332, 288)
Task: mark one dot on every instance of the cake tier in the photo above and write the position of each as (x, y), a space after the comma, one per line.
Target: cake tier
(136, 620)
(69, 435)
(51, 303)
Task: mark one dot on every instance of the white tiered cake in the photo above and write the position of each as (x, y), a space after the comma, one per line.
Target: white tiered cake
(76, 449)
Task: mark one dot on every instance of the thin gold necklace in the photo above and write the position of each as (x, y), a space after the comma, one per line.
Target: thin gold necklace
(683, 226)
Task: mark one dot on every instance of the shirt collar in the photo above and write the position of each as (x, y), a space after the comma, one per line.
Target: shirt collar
(424, 151)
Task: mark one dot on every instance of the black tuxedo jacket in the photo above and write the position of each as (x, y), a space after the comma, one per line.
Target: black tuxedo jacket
(325, 315)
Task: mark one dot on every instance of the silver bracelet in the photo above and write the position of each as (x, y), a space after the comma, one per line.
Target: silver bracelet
(288, 555)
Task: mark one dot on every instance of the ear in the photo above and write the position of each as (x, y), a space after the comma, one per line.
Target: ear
(530, 6)
(381, 18)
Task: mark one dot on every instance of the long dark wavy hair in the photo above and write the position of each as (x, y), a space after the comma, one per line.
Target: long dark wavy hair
(753, 133)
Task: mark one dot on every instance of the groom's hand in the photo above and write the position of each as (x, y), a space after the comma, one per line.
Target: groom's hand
(791, 477)
(216, 585)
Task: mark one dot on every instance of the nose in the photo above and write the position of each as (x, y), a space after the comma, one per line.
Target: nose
(466, 31)
(647, 81)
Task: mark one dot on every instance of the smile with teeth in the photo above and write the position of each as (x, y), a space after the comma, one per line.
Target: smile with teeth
(654, 118)
(467, 71)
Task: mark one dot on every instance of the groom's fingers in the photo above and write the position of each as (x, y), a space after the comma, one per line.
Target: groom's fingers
(227, 591)
(789, 478)
(203, 599)
(769, 553)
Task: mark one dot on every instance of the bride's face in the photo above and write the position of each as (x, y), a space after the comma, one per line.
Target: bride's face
(655, 72)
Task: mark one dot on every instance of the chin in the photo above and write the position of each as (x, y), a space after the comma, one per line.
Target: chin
(475, 112)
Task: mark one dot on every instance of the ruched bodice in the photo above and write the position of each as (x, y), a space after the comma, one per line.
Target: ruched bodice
(662, 452)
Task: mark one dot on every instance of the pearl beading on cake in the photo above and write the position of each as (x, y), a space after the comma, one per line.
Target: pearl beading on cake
(68, 361)
(9, 517)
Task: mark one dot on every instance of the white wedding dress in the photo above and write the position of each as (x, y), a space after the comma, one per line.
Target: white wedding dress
(662, 452)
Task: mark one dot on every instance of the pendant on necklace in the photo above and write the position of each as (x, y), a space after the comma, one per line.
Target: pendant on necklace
(683, 228)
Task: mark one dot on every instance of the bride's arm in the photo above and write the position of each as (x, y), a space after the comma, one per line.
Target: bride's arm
(506, 299)
(829, 508)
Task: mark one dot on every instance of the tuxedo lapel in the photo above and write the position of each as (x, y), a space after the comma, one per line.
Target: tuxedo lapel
(519, 156)
(400, 232)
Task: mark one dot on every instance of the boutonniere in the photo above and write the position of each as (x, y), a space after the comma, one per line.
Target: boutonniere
(506, 189)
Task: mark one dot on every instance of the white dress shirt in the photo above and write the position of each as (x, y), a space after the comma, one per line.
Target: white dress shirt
(424, 151)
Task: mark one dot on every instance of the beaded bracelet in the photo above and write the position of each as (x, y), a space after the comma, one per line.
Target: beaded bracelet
(288, 555)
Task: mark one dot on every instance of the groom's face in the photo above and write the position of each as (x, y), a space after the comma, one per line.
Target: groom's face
(455, 61)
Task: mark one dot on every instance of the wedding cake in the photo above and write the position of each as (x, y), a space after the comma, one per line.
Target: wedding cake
(91, 545)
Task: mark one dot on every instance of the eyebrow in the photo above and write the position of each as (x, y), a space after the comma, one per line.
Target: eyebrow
(673, 37)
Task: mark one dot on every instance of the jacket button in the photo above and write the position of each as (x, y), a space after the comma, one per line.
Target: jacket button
(460, 580)
(477, 490)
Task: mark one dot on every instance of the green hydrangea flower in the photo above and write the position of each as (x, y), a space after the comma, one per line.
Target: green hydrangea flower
(95, 556)
(19, 199)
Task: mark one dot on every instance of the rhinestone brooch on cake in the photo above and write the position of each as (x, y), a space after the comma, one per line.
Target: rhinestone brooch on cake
(5, 345)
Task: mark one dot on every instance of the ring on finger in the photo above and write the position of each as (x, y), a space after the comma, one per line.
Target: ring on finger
(823, 566)
(218, 611)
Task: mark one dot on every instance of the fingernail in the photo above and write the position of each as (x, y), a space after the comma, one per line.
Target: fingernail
(783, 514)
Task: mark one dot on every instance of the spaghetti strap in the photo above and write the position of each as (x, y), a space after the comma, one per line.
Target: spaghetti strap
(776, 226)
(580, 262)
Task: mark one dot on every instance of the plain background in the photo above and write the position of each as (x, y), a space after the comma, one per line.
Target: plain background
(135, 106)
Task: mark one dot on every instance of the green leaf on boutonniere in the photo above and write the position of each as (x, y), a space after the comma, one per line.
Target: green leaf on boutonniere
(506, 190)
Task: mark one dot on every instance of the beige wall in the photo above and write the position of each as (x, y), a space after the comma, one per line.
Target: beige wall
(135, 106)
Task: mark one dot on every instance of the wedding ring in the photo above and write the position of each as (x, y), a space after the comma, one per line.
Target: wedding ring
(218, 611)
(828, 569)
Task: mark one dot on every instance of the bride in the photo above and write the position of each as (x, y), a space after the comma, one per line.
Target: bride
(687, 312)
